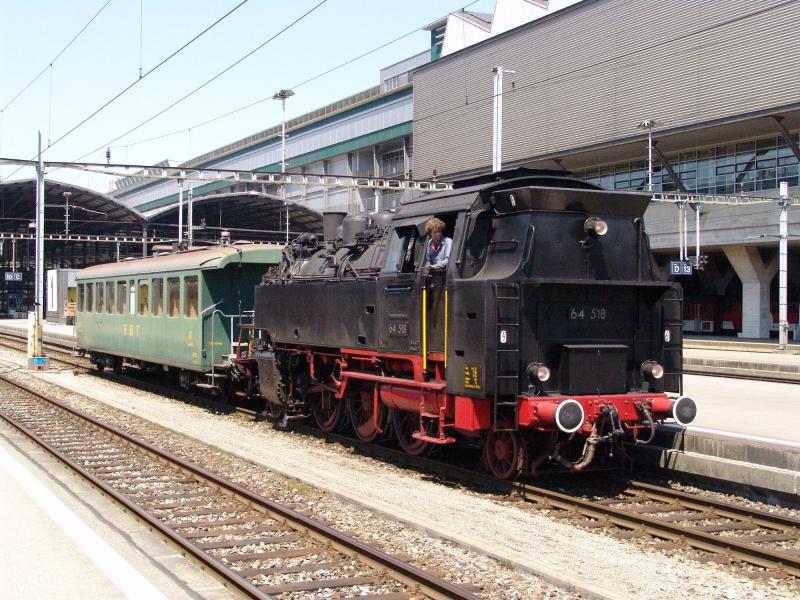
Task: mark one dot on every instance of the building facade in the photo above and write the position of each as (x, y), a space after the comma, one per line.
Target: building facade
(717, 78)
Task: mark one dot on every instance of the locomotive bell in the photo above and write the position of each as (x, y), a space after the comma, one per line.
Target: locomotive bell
(595, 227)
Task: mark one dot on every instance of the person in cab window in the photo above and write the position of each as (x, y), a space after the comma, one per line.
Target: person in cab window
(437, 251)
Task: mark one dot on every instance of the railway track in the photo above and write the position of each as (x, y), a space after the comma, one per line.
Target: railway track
(764, 544)
(721, 532)
(255, 545)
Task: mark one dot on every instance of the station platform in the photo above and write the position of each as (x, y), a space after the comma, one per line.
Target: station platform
(734, 357)
(55, 333)
(63, 537)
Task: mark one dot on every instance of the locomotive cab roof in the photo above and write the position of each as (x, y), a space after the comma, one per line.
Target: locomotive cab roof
(547, 190)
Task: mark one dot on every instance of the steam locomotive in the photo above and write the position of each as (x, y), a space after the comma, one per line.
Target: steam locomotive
(548, 338)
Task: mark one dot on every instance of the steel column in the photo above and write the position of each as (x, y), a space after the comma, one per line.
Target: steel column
(787, 136)
(35, 349)
(666, 164)
(783, 267)
(180, 210)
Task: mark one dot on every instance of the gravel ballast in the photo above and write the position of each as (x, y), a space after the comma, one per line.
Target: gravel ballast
(576, 560)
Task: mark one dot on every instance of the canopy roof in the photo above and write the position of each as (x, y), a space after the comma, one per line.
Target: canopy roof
(91, 213)
(250, 215)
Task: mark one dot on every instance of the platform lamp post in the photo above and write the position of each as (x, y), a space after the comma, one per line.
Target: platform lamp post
(497, 118)
(36, 359)
(66, 213)
(282, 95)
(649, 124)
(783, 267)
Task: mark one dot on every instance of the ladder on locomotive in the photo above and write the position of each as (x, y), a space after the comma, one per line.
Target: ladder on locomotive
(506, 361)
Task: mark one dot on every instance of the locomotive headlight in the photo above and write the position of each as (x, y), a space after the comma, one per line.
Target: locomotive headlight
(595, 227)
(537, 372)
(652, 370)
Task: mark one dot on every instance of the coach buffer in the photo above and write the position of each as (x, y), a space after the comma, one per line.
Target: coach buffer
(548, 338)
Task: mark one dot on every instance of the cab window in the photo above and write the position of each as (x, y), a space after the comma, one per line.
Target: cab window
(80, 297)
(122, 297)
(190, 296)
(99, 291)
(174, 296)
(476, 245)
(158, 297)
(110, 297)
(400, 257)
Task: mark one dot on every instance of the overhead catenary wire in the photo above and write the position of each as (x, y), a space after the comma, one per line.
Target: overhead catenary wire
(208, 81)
(55, 58)
(292, 87)
(161, 63)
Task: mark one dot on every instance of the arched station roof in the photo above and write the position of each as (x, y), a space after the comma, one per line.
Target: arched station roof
(91, 212)
(252, 215)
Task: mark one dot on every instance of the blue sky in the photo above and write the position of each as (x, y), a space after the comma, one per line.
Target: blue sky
(105, 59)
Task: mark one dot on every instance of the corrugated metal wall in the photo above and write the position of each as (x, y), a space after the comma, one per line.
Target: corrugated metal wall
(589, 74)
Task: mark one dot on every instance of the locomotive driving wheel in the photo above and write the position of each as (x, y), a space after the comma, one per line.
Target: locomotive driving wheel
(367, 415)
(504, 453)
(404, 425)
(327, 410)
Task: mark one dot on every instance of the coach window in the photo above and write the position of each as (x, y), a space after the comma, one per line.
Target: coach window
(80, 297)
(122, 297)
(89, 297)
(110, 297)
(99, 292)
(174, 296)
(144, 297)
(158, 297)
(132, 299)
(190, 295)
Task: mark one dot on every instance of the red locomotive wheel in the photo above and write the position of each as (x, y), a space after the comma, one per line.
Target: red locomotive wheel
(404, 425)
(361, 408)
(504, 454)
(327, 410)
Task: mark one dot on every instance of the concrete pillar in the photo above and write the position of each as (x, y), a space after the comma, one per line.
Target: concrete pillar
(755, 277)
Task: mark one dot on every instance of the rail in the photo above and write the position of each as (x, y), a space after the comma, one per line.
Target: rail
(195, 509)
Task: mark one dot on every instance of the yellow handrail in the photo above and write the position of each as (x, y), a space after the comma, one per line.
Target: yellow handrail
(424, 329)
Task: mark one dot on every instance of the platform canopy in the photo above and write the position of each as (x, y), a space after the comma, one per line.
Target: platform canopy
(90, 212)
(256, 216)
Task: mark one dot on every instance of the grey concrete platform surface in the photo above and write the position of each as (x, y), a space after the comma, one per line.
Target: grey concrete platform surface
(61, 537)
(746, 432)
(53, 332)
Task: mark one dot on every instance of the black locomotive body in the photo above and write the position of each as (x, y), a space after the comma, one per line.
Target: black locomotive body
(547, 336)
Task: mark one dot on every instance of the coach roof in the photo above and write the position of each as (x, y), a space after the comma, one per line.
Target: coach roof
(217, 257)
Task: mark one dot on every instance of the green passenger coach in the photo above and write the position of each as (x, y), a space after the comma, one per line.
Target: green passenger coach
(179, 312)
